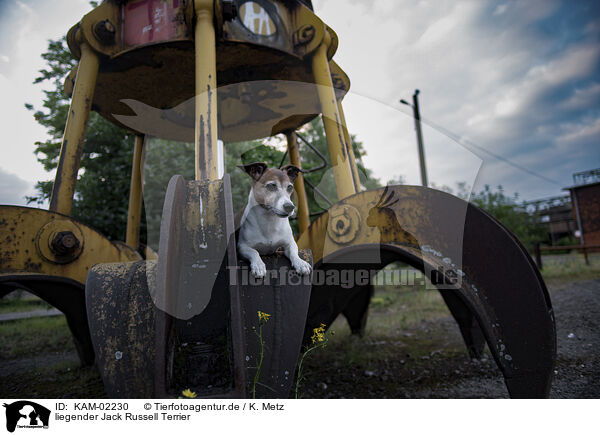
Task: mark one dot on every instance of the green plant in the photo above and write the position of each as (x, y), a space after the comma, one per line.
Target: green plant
(512, 214)
(262, 319)
(18, 304)
(25, 337)
(318, 340)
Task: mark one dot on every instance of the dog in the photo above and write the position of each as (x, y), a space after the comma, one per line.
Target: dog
(265, 225)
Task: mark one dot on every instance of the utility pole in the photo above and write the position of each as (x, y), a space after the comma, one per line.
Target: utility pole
(417, 116)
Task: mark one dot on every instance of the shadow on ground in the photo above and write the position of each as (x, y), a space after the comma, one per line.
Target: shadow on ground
(401, 357)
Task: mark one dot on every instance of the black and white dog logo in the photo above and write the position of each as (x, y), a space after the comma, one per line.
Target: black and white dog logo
(26, 414)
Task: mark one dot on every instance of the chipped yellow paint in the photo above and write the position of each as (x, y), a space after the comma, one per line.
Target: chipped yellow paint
(21, 233)
(134, 213)
(303, 212)
(363, 220)
(71, 149)
(205, 126)
(332, 122)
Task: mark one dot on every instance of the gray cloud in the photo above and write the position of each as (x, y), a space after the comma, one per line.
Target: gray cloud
(519, 78)
(13, 189)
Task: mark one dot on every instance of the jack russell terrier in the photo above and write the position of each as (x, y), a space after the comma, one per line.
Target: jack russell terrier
(264, 225)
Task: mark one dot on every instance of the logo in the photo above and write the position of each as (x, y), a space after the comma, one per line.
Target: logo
(26, 414)
(256, 19)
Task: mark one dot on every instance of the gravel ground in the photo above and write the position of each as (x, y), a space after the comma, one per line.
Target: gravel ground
(446, 371)
(427, 360)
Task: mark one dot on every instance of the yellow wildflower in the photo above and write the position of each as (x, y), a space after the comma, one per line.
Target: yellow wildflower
(189, 394)
(262, 316)
(318, 334)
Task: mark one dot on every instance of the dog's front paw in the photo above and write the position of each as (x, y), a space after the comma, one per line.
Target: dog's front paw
(301, 266)
(258, 269)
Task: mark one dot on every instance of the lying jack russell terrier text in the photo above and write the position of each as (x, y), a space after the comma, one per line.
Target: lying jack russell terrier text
(265, 226)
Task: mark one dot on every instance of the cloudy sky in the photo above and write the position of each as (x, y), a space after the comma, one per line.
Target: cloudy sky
(519, 79)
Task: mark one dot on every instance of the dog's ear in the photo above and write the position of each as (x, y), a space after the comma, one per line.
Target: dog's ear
(255, 170)
(291, 171)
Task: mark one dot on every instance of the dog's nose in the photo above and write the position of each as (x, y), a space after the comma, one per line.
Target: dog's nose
(289, 207)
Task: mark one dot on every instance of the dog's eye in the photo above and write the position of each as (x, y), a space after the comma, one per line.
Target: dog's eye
(272, 187)
(290, 188)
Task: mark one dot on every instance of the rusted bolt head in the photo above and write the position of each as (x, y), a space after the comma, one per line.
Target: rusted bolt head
(337, 81)
(105, 31)
(65, 243)
(230, 10)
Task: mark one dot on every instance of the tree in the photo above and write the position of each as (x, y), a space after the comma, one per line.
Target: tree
(511, 214)
(101, 196)
(103, 183)
(314, 133)
(506, 209)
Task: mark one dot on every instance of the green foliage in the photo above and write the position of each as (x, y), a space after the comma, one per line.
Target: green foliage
(240, 153)
(19, 304)
(314, 133)
(166, 158)
(506, 209)
(563, 268)
(510, 213)
(398, 180)
(103, 183)
(102, 191)
(21, 337)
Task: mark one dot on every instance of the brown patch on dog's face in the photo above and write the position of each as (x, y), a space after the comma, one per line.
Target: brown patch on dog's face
(254, 170)
(273, 187)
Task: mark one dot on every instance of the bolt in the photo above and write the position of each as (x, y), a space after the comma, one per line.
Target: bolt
(230, 11)
(105, 31)
(337, 81)
(65, 243)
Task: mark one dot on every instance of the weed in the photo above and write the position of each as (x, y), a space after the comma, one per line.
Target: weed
(318, 340)
(28, 337)
(262, 319)
(18, 305)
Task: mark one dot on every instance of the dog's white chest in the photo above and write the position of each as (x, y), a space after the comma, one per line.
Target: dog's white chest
(265, 232)
(265, 226)
(266, 247)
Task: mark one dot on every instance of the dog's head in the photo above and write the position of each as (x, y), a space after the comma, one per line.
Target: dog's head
(272, 188)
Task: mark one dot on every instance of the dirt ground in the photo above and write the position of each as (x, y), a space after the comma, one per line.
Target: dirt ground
(430, 360)
(425, 359)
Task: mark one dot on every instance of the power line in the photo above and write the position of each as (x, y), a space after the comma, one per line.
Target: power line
(470, 145)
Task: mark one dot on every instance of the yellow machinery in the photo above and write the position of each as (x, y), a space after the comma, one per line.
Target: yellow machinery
(200, 70)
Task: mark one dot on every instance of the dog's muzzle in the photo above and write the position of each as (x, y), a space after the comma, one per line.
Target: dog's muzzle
(289, 208)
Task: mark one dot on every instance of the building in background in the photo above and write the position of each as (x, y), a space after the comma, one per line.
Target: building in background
(585, 200)
(557, 215)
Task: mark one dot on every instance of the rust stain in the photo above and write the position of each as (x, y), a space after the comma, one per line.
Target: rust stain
(32, 267)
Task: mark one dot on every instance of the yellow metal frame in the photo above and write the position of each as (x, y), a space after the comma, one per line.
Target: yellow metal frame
(71, 148)
(352, 158)
(332, 122)
(303, 212)
(206, 92)
(93, 248)
(134, 213)
(28, 235)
